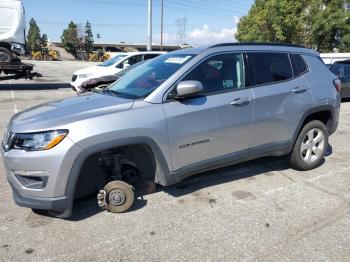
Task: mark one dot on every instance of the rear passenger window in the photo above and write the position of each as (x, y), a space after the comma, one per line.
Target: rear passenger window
(298, 63)
(268, 68)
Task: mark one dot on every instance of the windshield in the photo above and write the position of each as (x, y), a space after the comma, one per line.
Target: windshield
(129, 68)
(113, 60)
(144, 79)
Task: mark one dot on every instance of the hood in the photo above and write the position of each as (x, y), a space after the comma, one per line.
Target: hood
(89, 70)
(59, 113)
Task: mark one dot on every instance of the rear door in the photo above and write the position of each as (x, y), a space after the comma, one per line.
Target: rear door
(215, 125)
(281, 97)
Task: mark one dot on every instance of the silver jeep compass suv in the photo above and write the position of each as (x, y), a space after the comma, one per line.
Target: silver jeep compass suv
(179, 114)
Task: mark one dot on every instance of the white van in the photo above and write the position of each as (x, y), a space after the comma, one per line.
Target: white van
(331, 58)
(12, 29)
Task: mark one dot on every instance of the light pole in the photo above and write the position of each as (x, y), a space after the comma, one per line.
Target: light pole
(161, 26)
(149, 31)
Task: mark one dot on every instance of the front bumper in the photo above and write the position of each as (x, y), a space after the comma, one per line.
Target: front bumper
(56, 162)
(76, 82)
(57, 204)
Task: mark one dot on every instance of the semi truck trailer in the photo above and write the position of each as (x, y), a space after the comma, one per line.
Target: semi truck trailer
(13, 41)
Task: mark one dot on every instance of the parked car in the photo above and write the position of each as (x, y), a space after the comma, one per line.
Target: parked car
(110, 67)
(103, 81)
(179, 114)
(342, 71)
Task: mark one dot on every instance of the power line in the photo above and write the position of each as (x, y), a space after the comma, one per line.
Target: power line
(206, 6)
(181, 30)
(101, 24)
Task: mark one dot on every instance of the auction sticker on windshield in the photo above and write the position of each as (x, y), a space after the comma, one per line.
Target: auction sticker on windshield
(177, 60)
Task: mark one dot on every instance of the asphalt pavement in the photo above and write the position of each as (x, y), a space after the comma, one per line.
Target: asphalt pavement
(257, 211)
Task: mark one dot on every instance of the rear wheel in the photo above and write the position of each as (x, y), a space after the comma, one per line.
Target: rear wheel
(310, 147)
(5, 55)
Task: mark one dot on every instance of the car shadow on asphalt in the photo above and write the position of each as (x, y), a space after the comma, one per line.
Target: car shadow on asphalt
(266, 166)
(249, 170)
(87, 207)
(33, 86)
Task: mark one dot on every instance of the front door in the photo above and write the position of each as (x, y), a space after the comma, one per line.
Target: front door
(216, 124)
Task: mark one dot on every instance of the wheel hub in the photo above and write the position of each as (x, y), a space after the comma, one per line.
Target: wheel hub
(3, 57)
(312, 145)
(117, 197)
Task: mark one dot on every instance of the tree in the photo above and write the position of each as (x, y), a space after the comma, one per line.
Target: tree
(331, 26)
(320, 24)
(33, 37)
(88, 38)
(70, 39)
(274, 21)
(44, 40)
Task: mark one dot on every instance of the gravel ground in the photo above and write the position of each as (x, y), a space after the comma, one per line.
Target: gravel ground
(256, 211)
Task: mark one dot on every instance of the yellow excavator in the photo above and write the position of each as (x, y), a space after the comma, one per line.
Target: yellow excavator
(99, 56)
(45, 53)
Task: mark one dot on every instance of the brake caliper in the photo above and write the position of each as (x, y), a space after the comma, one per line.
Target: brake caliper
(101, 199)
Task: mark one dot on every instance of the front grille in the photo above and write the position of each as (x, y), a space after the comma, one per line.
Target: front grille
(74, 77)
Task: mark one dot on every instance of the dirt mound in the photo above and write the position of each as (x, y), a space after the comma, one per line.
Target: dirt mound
(63, 54)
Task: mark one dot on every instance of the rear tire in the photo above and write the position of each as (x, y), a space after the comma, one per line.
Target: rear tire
(310, 146)
(6, 55)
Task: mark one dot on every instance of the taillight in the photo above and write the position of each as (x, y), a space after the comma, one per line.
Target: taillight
(337, 84)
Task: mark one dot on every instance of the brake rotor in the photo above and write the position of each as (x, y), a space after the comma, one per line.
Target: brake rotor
(119, 196)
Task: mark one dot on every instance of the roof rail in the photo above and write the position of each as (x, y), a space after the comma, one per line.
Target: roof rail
(258, 44)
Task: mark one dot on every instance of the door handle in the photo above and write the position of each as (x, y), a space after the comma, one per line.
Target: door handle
(240, 101)
(298, 90)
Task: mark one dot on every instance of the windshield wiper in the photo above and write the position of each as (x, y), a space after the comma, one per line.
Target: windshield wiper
(112, 92)
(96, 91)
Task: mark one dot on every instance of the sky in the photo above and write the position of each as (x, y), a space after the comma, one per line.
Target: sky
(206, 22)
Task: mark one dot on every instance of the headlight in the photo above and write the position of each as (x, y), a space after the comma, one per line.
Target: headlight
(85, 75)
(38, 141)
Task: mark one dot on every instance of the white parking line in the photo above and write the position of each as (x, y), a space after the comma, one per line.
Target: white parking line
(13, 101)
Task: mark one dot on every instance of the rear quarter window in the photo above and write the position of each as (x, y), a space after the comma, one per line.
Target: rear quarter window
(299, 64)
(266, 68)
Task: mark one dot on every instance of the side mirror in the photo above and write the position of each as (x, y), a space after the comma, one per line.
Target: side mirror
(188, 88)
(125, 66)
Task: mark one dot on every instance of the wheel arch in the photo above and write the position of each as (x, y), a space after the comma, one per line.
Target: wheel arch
(323, 113)
(6, 45)
(162, 173)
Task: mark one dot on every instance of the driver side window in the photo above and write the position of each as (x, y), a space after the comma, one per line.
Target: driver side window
(219, 73)
(131, 61)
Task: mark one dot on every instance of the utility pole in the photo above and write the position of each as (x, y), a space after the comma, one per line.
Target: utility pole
(149, 31)
(161, 26)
